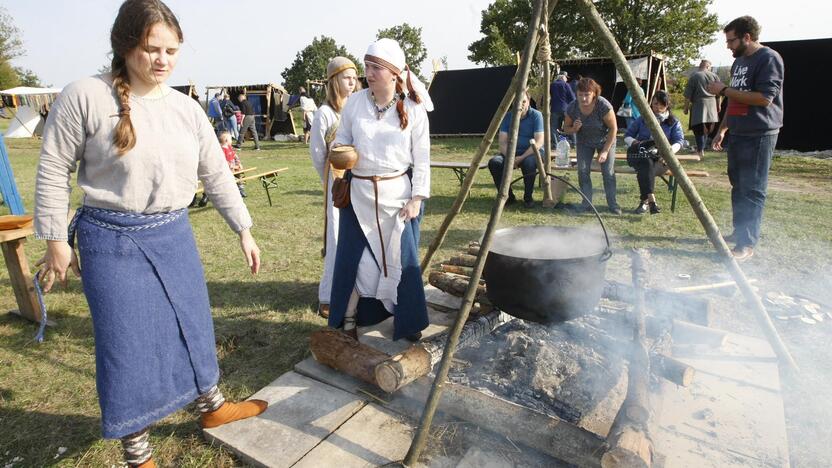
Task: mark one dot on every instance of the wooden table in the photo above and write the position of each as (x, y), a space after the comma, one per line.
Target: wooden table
(267, 179)
(12, 242)
(459, 168)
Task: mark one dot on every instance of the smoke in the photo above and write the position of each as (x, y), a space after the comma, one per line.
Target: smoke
(549, 242)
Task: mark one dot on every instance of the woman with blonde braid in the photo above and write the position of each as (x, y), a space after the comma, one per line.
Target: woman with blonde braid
(139, 147)
(341, 81)
(377, 270)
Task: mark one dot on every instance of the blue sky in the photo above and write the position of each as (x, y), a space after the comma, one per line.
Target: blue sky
(247, 41)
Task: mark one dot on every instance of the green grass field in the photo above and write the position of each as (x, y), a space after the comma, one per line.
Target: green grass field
(47, 391)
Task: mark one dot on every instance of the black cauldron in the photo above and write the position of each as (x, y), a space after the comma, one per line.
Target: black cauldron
(547, 274)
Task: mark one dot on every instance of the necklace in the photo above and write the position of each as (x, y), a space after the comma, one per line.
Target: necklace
(381, 110)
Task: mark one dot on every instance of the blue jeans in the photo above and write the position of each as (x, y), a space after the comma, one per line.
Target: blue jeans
(585, 153)
(529, 167)
(231, 126)
(749, 160)
(556, 120)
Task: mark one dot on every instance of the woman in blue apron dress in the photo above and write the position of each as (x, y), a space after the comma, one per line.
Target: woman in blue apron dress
(139, 147)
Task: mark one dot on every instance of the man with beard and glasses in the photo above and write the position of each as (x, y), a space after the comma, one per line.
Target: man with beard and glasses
(754, 118)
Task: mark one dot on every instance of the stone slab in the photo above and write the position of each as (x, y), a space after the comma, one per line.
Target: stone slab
(302, 412)
(441, 300)
(731, 415)
(374, 436)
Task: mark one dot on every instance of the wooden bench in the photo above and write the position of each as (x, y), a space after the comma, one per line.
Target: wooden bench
(201, 189)
(666, 177)
(268, 179)
(460, 168)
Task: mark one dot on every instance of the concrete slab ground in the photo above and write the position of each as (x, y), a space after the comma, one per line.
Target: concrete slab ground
(731, 416)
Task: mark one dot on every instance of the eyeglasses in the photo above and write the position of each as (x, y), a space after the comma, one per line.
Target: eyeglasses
(729, 40)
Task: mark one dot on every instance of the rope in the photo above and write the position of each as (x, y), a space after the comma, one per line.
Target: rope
(544, 49)
(43, 318)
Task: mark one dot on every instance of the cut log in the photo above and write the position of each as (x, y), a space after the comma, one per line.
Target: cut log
(456, 269)
(403, 368)
(636, 404)
(672, 370)
(335, 349)
(708, 287)
(453, 284)
(674, 304)
(418, 360)
(630, 448)
(463, 260)
(690, 333)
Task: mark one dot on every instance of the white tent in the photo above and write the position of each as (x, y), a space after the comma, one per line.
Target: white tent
(26, 104)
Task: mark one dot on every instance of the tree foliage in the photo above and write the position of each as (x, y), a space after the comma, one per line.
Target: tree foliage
(310, 63)
(675, 28)
(28, 77)
(8, 76)
(410, 40)
(10, 44)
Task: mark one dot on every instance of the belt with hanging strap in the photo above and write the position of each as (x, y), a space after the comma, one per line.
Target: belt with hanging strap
(375, 179)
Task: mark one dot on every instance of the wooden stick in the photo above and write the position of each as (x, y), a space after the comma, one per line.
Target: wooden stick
(591, 14)
(435, 394)
(636, 404)
(544, 179)
(672, 370)
(706, 287)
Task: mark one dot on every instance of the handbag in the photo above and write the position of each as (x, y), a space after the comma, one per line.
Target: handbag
(341, 191)
(625, 111)
(645, 149)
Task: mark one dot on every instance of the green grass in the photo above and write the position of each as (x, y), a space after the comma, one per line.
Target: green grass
(47, 391)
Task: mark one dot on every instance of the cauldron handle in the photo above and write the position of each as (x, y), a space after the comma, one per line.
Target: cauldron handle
(608, 251)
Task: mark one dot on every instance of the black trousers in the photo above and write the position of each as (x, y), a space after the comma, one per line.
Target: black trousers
(646, 175)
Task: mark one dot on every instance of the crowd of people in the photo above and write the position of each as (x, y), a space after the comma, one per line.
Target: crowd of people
(135, 142)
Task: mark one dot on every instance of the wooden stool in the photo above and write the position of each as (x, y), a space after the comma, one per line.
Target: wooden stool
(12, 242)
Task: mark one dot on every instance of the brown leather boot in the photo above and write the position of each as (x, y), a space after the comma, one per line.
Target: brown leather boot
(230, 412)
(323, 310)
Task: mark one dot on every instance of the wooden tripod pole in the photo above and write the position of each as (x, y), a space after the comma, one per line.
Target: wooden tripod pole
(432, 403)
(487, 140)
(696, 203)
(545, 60)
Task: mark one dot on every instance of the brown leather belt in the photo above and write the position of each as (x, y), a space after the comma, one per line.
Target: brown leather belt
(375, 180)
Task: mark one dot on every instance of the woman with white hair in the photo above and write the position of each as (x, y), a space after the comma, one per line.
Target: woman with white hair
(341, 81)
(377, 270)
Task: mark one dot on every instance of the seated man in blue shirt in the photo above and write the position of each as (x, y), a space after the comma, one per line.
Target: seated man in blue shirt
(531, 126)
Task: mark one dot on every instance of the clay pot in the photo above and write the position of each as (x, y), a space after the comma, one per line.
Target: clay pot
(343, 157)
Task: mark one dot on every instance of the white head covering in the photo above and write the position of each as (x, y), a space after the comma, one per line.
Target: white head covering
(387, 53)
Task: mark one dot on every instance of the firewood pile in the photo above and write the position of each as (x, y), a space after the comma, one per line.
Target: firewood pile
(454, 275)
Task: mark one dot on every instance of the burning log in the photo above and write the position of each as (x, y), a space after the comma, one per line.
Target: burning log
(672, 370)
(339, 351)
(629, 445)
(454, 284)
(403, 368)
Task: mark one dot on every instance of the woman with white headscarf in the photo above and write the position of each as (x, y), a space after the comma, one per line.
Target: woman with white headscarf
(377, 270)
(341, 81)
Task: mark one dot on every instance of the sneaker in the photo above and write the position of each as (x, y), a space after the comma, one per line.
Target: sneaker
(742, 254)
(654, 208)
(615, 210)
(642, 208)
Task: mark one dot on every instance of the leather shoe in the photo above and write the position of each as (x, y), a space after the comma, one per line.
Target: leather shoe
(654, 208)
(414, 337)
(742, 254)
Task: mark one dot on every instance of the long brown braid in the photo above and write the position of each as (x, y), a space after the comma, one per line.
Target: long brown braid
(400, 92)
(130, 29)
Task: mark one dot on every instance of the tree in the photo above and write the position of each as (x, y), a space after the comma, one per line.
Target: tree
(27, 77)
(675, 28)
(10, 44)
(310, 63)
(8, 76)
(410, 40)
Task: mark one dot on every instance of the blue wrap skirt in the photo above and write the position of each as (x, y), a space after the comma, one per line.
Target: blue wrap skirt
(154, 336)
